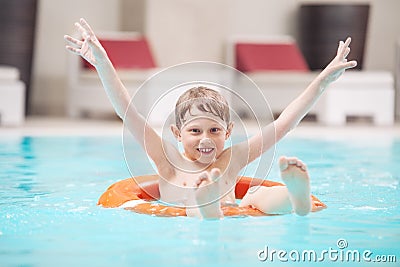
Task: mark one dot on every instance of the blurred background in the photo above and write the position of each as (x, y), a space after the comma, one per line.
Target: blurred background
(182, 30)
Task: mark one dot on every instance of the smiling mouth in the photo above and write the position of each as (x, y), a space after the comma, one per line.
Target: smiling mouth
(205, 150)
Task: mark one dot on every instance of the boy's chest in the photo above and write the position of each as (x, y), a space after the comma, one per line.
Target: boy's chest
(189, 176)
(181, 187)
(179, 184)
(186, 179)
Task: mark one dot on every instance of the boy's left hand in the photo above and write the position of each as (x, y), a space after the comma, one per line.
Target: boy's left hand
(338, 65)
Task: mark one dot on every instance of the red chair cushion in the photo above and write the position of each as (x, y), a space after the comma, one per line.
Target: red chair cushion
(128, 54)
(257, 56)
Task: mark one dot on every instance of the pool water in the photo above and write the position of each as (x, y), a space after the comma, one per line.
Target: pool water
(49, 188)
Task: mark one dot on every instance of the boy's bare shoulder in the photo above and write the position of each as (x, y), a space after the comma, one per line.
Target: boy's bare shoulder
(231, 160)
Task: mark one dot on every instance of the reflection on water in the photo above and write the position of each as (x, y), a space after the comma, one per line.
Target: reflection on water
(18, 176)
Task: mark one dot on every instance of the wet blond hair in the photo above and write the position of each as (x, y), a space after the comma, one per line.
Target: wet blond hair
(205, 100)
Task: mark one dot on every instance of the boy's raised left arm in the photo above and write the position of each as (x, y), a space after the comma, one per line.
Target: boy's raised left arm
(298, 108)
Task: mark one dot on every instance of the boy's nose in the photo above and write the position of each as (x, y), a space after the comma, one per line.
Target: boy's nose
(206, 141)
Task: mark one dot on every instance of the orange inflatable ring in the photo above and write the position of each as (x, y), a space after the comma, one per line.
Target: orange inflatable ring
(146, 188)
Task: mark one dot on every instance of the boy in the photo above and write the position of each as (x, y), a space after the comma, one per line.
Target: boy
(203, 177)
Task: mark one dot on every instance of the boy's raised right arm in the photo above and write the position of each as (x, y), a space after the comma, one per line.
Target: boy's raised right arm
(91, 50)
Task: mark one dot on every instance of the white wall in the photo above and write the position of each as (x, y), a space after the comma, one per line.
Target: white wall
(132, 15)
(181, 30)
(56, 18)
(184, 30)
(383, 32)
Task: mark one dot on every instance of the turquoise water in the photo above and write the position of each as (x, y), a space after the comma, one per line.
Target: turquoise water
(49, 188)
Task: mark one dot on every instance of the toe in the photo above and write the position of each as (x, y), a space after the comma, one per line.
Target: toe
(301, 165)
(292, 160)
(283, 163)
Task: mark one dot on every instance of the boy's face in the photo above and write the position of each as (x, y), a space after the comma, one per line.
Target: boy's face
(203, 138)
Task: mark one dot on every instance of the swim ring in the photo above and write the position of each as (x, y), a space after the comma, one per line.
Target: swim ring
(144, 189)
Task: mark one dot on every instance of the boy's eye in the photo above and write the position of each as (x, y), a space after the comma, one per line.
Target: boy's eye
(195, 130)
(215, 130)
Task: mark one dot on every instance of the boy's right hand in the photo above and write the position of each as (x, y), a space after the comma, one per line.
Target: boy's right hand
(89, 47)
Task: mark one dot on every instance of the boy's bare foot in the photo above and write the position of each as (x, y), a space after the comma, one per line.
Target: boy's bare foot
(208, 194)
(294, 174)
